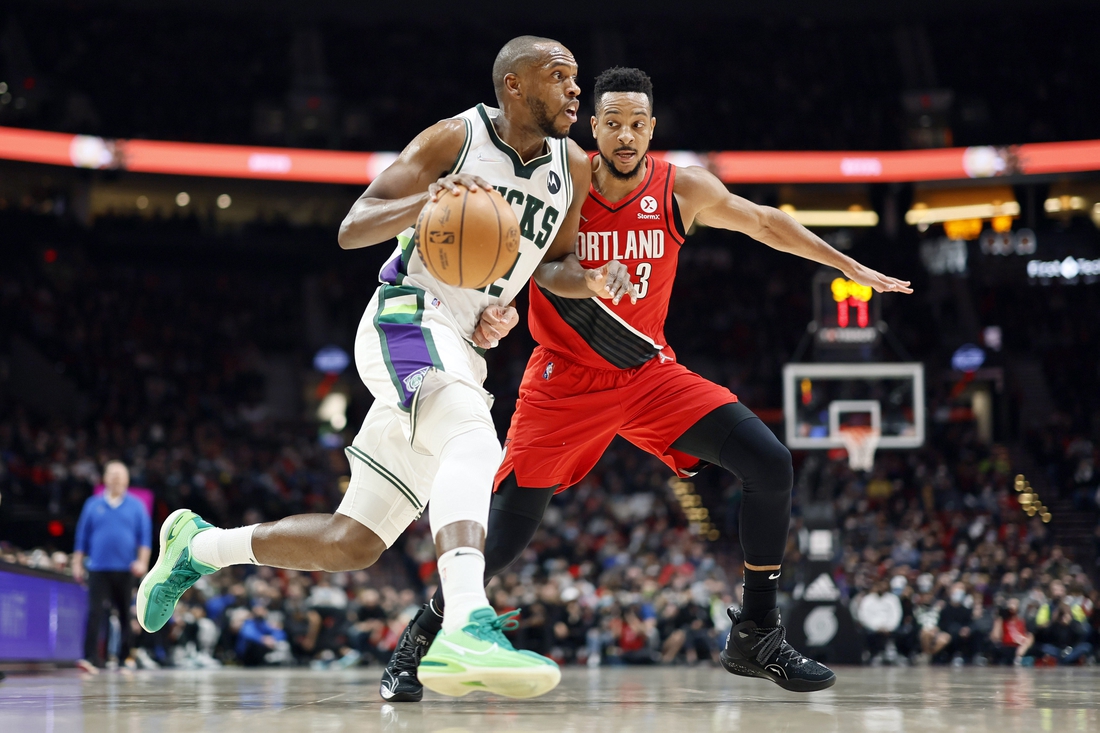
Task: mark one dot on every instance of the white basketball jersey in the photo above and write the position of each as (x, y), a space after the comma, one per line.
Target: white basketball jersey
(539, 192)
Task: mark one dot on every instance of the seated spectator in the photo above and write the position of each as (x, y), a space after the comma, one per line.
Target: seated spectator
(1063, 639)
(956, 623)
(261, 641)
(879, 613)
(368, 626)
(1010, 639)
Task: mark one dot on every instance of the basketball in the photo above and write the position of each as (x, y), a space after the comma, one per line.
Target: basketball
(468, 240)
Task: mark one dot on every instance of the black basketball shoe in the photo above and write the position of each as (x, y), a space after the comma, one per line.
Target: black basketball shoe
(763, 651)
(399, 680)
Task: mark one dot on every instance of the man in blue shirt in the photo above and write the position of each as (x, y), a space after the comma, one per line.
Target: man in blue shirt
(113, 538)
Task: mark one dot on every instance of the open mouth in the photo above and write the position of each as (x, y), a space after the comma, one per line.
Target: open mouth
(571, 113)
(626, 156)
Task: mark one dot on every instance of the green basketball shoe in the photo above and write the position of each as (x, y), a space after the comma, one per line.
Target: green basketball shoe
(174, 572)
(479, 657)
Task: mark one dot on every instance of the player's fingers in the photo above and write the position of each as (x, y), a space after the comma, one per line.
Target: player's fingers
(480, 339)
(474, 183)
(619, 287)
(488, 337)
(896, 286)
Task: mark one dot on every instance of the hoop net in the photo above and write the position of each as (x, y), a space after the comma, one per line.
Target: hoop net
(860, 442)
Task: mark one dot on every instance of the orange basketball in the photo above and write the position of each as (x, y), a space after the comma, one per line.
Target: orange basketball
(469, 240)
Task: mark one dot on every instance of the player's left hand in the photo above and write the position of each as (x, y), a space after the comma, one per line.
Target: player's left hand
(611, 281)
(496, 321)
(874, 279)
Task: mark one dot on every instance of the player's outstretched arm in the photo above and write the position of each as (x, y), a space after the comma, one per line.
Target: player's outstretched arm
(705, 199)
(561, 272)
(393, 200)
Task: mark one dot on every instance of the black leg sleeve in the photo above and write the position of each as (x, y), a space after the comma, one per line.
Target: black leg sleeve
(514, 517)
(734, 438)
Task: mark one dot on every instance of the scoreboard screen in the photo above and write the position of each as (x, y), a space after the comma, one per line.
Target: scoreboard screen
(845, 312)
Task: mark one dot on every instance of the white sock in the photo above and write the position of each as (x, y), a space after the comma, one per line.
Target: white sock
(221, 547)
(462, 575)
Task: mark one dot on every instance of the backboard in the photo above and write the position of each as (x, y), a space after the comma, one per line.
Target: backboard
(821, 400)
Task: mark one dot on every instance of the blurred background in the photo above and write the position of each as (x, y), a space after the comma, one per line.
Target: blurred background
(193, 318)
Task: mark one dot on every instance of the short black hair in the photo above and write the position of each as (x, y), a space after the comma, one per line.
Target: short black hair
(516, 57)
(623, 79)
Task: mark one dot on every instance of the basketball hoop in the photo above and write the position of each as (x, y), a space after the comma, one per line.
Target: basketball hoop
(860, 442)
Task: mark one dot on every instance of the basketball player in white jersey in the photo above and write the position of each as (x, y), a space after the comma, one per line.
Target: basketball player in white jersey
(429, 434)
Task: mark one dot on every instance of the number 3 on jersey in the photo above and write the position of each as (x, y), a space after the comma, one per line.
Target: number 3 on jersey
(643, 272)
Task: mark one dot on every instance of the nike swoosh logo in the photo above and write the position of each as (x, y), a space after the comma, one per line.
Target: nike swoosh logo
(773, 577)
(462, 651)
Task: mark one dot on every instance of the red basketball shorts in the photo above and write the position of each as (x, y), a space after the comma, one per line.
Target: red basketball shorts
(567, 414)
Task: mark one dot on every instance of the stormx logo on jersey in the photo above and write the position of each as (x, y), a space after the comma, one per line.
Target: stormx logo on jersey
(649, 205)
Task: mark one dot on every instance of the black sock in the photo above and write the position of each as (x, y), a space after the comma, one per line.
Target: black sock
(430, 620)
(761, 594)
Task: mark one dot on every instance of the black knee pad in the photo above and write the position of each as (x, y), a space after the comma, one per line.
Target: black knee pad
(757, 457)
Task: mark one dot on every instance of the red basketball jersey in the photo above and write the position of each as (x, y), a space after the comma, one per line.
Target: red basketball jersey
(644, 232)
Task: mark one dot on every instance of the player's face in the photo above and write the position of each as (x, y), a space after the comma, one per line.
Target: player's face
(554, 91)
(623, 127)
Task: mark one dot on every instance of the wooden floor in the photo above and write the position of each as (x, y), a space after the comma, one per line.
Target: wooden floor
(670, 700)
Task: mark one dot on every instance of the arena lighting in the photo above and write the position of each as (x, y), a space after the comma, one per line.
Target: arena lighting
(854, 217)
(964, 229)
(925, 215)
(330, 166)
(692, 506)
(1029, 500)
(1055, 205)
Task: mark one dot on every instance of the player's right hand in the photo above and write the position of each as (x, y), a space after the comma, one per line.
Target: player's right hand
(611, 281)
(454, 182)
(495, 323)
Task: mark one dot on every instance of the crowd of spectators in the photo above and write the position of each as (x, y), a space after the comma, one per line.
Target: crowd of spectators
(942, 565)
(933, 570)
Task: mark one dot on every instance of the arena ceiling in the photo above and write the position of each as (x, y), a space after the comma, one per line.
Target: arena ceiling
(570, 10)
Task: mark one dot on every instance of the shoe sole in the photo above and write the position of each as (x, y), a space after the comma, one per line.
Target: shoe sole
(509, 682)
(797, 685)
(409, 696)
(142, 596)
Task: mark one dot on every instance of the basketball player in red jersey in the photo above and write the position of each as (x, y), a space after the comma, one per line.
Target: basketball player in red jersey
(603, 368)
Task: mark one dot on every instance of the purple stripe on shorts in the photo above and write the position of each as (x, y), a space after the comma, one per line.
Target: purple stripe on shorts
(408, 354)
(391, 270)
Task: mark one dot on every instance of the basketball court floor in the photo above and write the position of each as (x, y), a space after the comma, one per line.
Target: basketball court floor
(670, 700)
